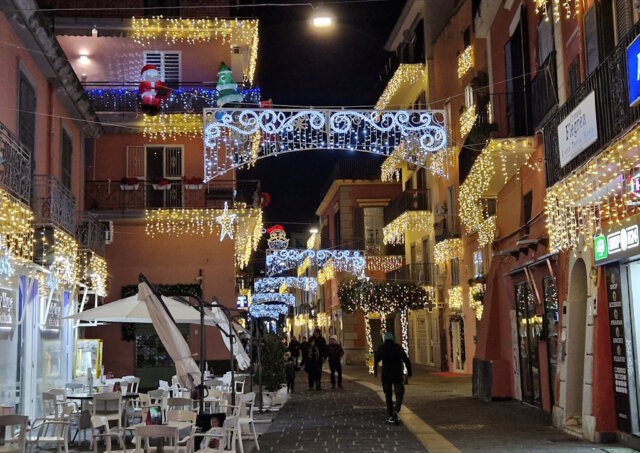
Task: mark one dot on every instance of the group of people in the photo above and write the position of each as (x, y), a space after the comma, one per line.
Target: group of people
(315, 351)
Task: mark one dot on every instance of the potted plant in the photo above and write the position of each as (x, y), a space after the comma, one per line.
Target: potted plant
(193, 183)
(161, 184)
(129, 183)
(273, 351)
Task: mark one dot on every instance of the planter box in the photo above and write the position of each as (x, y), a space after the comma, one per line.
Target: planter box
(159, 187)
(193, 186)
(129, 186)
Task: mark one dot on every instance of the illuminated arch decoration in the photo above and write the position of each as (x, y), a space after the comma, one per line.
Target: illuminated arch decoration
(352, 261)
(273, 284)
(271, 311)
(286, 298)
(235, 138)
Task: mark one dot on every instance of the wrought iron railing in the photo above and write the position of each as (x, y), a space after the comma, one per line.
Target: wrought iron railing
(54, 204)
(409, 200)
(187, 98)
(114, 196)
(15, 166)
(420, 273)
(614, 115)
(544, 95)
(90, 234)
(447, 228)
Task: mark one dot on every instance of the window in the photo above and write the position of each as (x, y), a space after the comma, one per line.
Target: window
(373, 225)
(468, 96)
(574, 76)
(336, 228)
(67, 151)
(477, 264)
(27, 113)
(516, 54)
(168, 63)
(624, 18)
(455, 271)
(545, 40)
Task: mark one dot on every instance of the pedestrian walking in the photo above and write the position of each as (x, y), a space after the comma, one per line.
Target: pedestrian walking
(290, 371)
(294, 349)
(313, 365)
(335, 353)
(304, 351)
(392, 356)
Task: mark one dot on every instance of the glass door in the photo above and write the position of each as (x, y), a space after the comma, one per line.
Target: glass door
(551, 323)
(529, 328)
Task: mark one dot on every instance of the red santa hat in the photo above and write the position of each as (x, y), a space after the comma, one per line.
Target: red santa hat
(148, 67)
(275, 228)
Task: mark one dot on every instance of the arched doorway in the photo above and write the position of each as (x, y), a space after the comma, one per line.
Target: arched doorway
(577, 322)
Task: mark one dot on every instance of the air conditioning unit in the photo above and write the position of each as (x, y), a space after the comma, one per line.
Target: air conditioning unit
(108, 231)
(441, 209)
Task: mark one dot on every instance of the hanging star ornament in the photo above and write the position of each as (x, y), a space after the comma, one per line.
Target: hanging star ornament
(226, 223)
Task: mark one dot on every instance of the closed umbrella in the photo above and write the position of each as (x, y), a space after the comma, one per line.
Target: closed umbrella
(221, 320)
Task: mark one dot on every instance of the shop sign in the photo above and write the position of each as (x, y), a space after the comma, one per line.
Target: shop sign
(618, 348)
(242, 303)
(6, 311)
(617, 245)
(633, 71)
(633, 188)
(578, 130)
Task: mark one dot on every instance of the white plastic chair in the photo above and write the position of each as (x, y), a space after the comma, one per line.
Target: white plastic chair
(100, 430)
(109, 406)
(14, 428)
(144, 434)
(186, 444)
(229, 440)
(245, 417)
(51, 431)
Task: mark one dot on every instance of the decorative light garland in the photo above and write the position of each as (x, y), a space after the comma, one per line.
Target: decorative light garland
(270, 284)
(94, 271)
(173, 30)
(326, 273)
(385, 264)
(311, 242)
(65, 262)
(542, 7)
(381, 297)
(577, 207)
(323, 319)
(404, 325)
(229, 134)
(367, 332)
(447, 250)
(301, 320)
(476, 295)
(16, 229)
(467, 120)
(454, 301)
(302, 269)
(172, 125)
(408, 221)
(279, 261)
(465, 61)
(505, 156)
(226, 221)
(261, 298)
(271, 311)
(405, 75)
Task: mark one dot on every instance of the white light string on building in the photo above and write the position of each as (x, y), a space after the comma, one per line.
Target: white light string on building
(272, 284)
(229, 134)
(286, 298)
(352, 261)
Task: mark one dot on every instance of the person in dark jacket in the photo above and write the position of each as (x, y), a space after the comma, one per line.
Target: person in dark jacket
(313, 364)
(392, 357)
(335, 353)
(304, 350)
(290, 371)
(294, 349)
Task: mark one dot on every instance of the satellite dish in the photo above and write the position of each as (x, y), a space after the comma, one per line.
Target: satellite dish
(409, 36)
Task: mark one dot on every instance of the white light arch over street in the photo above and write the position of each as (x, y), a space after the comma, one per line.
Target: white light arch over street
(235, 138)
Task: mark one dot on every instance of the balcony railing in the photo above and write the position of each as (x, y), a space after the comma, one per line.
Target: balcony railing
(15, 166)
(419, 273)
(544, 95)
(187, 98)
(447, 228)
(614, 115)
(54, 204)
(409, 200)
(90, 234)
(112, 196)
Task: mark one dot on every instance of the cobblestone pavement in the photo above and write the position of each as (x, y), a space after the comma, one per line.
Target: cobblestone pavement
(352, 420)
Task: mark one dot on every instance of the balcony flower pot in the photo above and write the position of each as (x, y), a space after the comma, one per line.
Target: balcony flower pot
(161, 186)
(193, 186)
(193, 183)
(129, 186)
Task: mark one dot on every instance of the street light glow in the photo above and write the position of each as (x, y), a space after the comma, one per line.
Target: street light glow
(322, 21)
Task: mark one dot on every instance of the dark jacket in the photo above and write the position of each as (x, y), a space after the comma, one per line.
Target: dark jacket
(322, 345)
(392, 356)
(294, 348)
(334, 352)
(304, 349)
(313, 360)
(290, 371)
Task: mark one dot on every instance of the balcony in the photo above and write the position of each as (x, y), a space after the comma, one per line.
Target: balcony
(419, 273)
(15, 166)
(544, 95)
(187, 98)
(54, 204)
(447, 228)
(90, 234)
(614, 115)
(409, 200)
(111, 196)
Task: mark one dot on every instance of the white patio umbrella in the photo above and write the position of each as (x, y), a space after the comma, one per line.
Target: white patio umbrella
(221, 320)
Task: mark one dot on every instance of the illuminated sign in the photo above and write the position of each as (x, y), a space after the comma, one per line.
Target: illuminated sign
(618, 244)
(633, 71)
(600, 247)
(242, 303)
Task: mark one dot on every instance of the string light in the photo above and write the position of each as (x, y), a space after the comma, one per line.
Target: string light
(65, 262)
(408, 221)
(405, 75)
(499, 158)
(351, 261)
(367, 331)
(595, 194)
(465, 61)
(476, 295)
(270, 284)
(390, 168)
(94, 272)
(467, 120)
(261, 298)
(311, 242)
(385, 264)
(144, 30)
(381, 297)
(226, 221)
(327, 273)
(16, 229)
(172, 125)
(323, 319)
(454, 301)
(556, 7)
(272, 311)
(447, 250)
(302, 269)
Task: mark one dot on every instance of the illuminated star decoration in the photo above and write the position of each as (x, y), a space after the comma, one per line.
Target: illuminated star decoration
(226, 223)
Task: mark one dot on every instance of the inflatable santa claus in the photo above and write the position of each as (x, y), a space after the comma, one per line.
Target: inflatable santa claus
(152, 90)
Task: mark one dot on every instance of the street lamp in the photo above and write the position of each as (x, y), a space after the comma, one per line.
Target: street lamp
(322, 19)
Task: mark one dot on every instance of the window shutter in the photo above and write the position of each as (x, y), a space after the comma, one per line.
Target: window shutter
(624, 17)
(358, 228)
(27, 115)
(591, 39)
(135, 162)
(168, 63)
(67, 151)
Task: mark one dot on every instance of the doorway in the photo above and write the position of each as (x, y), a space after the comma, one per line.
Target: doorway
(456, 331)
(577, 322)
(164, 163)
(529, 330)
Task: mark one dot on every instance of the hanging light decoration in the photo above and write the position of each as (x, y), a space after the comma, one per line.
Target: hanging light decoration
(447, 250)
(408, 221)
(405, 75)
(465, 61)
(454, 301)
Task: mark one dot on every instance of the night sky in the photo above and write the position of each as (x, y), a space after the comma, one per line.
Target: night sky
(297, 66)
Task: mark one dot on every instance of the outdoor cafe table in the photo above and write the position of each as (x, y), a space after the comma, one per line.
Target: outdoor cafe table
(184, 429)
